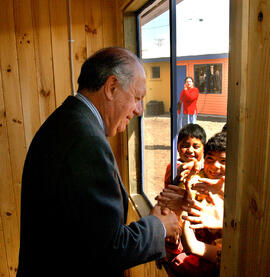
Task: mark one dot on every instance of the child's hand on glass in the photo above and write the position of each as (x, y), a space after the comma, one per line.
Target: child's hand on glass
(207, 216)
(186, 170)
(175, 198)
(205, 185)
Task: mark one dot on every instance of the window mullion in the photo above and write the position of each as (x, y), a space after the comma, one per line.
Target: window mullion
(173, 110)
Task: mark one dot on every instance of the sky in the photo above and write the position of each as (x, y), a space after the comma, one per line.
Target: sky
(202, 27)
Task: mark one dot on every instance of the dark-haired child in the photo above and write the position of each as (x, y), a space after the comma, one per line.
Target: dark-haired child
(204, 245)
(190, 145)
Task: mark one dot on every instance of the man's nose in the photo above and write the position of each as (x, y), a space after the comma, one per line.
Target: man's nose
(138, 108)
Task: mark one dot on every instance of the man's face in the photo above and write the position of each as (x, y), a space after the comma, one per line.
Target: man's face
(127, 103)
(215, 164)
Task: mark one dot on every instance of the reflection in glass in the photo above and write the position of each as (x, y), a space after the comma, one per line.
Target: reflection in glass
(208, 78)
(156, 119)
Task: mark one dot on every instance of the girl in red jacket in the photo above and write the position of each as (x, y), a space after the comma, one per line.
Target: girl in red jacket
(187, 106)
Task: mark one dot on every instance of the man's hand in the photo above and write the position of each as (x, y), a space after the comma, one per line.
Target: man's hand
(169, 220)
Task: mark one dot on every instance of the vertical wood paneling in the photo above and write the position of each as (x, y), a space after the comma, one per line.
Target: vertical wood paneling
(11, 236)
(78, 35)
(93, 26)
(60, 48)
(5, 178)
(27, 67)
(9, 223)
(35, 71)
(4, 272)
(43, 57)
(12, 149)
(236, 114)
(119, 24)
(256, 145)
(246, 244)
(12, 108)
(145, 270)
(109, 22)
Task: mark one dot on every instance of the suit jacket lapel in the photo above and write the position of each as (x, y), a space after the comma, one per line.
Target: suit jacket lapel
(123, 189)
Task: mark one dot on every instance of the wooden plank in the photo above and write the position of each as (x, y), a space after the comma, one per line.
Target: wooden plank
(60, 46)
(12, 109)
(43, 54)
(109, 22)
(4, 272)
(149, 269)
(119, 24)
(11, 236)
(236, 116)
(123, 3)
(78, 35)
(130, 36)
(256, 194)
(247, 213)
(27, 67)
(9, 223)
(93, 26)
(5, 176)
(133, 6)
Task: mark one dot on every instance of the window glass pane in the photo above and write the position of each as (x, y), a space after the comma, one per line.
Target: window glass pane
(202, 53)
(156, 119)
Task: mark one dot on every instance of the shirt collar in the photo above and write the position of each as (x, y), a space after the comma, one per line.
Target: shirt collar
(92, 107)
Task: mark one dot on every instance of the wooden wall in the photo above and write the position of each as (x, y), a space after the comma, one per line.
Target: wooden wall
(35, 78)
(145, 270)
(246, 244)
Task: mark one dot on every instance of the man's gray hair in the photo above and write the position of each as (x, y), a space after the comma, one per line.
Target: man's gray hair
(116, 61)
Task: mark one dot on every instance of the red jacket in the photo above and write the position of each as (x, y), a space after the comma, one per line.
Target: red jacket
(189, 99)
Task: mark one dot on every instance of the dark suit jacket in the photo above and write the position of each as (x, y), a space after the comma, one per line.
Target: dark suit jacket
(74, 205)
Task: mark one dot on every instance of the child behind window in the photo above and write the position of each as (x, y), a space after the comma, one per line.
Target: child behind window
(202, 263)
(190, 146)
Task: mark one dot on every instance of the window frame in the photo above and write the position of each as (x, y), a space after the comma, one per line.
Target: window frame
(139, 196)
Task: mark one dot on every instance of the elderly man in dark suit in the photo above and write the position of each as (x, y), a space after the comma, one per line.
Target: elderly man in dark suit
(73, 203)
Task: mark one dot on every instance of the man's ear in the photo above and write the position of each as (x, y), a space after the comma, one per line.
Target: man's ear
(110, 87)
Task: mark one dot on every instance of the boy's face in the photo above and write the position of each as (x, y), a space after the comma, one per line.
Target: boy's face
(190, 149)
(215, 164)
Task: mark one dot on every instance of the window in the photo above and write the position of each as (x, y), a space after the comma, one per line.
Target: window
(155, 72)
(208, 78)
(189, 36)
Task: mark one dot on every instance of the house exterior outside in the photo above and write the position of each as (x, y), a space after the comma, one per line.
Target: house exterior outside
(210, 74)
